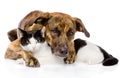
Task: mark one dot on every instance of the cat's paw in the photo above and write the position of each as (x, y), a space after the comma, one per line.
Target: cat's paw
(32, 62)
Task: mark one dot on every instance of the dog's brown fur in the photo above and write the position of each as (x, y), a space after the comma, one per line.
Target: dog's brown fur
(60, 31)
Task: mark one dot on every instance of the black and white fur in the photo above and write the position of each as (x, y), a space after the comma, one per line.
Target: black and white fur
(32, 40)
(92, 54)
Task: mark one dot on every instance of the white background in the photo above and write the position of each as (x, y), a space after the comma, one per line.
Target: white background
(101, 18)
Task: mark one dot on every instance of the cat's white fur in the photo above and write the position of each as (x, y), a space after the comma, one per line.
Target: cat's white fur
(45, 55)
(90, 54)
(33, 46)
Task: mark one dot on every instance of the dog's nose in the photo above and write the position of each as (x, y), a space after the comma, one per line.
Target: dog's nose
(64, 51)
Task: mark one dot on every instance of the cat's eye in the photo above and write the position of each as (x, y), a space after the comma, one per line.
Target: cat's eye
(24, 41)
(39, 39)
(27, 42)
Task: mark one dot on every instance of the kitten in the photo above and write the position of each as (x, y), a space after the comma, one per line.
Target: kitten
(90, 53)
(26, 46)
(32, 40)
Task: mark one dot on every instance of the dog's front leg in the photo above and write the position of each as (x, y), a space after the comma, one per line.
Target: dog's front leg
(29, 59)
(72, 55)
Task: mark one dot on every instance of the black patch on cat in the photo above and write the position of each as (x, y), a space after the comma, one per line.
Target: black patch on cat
(79, 43)
(24, 41)
(26, 35)
(106, 55)
(39, 36)
(108, 59)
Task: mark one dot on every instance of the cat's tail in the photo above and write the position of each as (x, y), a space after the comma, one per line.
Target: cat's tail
(109, 60)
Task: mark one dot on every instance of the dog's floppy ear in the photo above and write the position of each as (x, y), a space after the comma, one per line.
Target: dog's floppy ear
(41, 20)
(31, 18)
(80, 27)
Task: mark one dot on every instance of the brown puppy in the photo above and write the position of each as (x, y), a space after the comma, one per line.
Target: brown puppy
(60, 32)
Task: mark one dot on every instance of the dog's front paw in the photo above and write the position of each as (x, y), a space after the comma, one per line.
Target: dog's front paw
(69, 60)
(32, 62)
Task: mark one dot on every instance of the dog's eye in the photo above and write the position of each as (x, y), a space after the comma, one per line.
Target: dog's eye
(55, 31)
(70, 33)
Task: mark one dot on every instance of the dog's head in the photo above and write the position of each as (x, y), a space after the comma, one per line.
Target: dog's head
(60, 31)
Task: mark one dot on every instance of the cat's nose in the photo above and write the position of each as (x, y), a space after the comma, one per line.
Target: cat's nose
(33, 48)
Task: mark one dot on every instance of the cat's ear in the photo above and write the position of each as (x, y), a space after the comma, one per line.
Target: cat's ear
(20, 32)
(43, 31)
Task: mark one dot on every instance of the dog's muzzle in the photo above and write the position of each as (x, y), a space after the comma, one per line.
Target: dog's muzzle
(60, 51)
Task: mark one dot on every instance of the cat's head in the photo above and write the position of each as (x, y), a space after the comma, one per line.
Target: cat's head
(32, 40)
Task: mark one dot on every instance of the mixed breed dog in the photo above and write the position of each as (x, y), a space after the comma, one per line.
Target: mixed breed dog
(56, 31)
